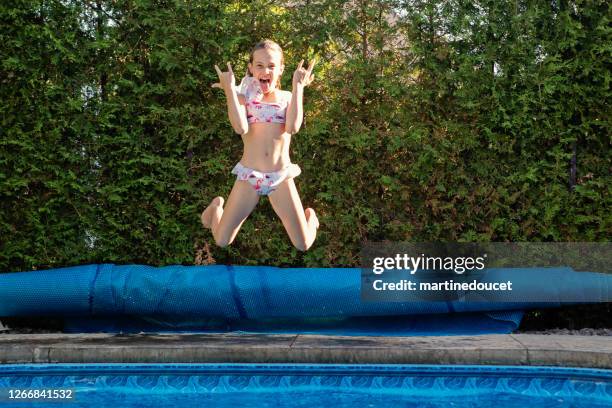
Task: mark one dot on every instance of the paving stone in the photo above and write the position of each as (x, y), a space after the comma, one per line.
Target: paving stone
(520, 349)
(559, 350)
(490, 349)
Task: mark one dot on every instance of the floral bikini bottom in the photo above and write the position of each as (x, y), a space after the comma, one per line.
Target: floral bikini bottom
(265, 183)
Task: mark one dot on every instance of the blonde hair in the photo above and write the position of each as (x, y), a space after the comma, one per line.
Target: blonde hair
(268, 45)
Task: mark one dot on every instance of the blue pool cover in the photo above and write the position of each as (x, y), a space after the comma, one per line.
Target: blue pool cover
(303, 385)
(133, 298)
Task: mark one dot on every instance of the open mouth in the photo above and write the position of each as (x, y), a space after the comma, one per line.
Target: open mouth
(265, 84)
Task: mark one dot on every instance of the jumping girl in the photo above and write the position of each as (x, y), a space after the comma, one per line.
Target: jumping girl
(265, 117)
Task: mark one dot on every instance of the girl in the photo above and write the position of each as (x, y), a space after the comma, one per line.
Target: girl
(265, 117)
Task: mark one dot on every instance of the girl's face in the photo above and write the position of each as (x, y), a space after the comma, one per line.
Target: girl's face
(267, 68)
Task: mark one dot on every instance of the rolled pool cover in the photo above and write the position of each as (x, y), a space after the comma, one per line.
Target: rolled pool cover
(256, 293)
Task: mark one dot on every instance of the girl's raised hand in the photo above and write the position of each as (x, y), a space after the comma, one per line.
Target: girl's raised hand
(227, 81)
(303, 77)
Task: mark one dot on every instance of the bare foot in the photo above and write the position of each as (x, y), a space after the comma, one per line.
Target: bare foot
(310, 213)
(207, 214)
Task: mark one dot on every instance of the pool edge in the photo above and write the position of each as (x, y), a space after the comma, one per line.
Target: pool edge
(506, 349)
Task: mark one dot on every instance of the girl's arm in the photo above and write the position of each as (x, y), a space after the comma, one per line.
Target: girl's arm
(295, 111)
(235, 103)
(237, 111)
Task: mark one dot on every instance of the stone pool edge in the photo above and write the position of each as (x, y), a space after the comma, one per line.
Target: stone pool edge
(503, 349)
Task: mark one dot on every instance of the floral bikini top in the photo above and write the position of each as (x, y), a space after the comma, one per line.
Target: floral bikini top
(259, 111)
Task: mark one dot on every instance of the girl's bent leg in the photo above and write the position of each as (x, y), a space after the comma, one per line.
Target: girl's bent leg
(226, 222)
(301, 226)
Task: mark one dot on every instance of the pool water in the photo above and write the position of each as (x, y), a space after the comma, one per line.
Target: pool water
(308, 386)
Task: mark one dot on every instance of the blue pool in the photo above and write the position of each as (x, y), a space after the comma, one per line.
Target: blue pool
(302, 385)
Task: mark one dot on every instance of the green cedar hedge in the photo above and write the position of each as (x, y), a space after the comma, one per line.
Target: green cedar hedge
(427, 121)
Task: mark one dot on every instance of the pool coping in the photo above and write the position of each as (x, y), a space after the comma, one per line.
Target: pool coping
(499, 349)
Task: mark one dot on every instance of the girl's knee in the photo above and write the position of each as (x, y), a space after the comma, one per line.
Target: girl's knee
(302, 247)
(302, 244)
(222, 240)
